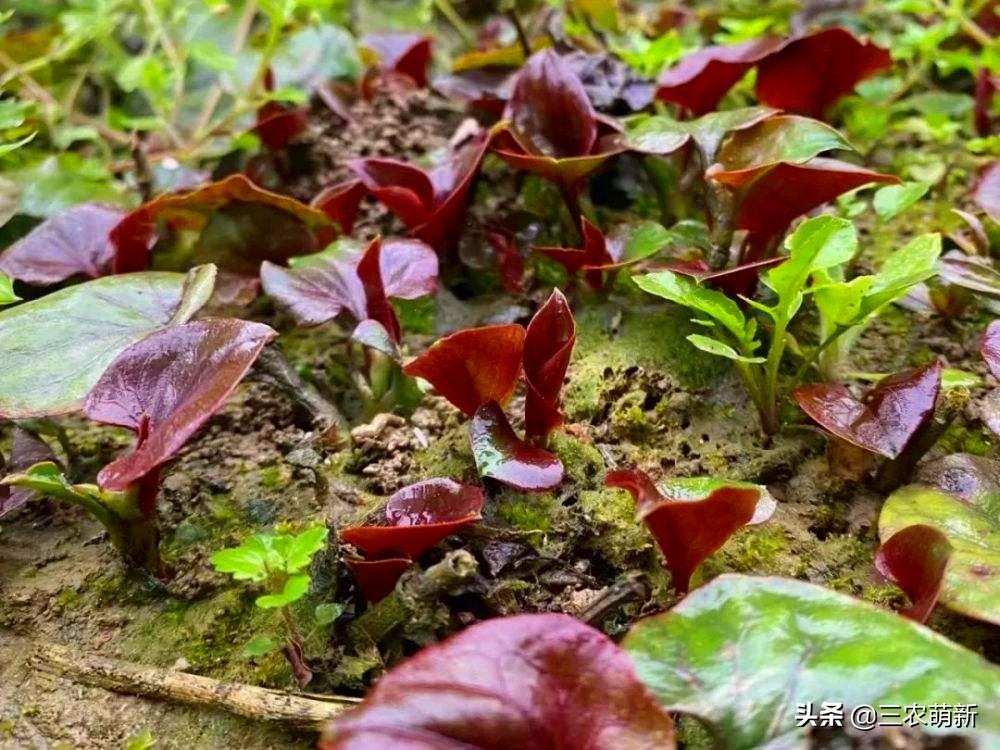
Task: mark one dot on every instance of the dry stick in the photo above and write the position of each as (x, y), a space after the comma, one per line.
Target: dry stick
(306, 712)
(277, 369)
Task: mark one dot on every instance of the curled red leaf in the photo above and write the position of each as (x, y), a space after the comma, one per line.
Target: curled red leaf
(240, 225)
(319, 287)
(552, 128)
(702, 78)
(377, 578)
(885, 419)
(168, 385)
(501, 455)
(431, 204)
(735, 281)
(809, 74)
(403, 54)
(340, 202)
(532, 682)
(915, 559)
(473, 366)
(989, 347)
(75, 242)
(548, 346)
(278, 123)
(417, 517)
(690, 528)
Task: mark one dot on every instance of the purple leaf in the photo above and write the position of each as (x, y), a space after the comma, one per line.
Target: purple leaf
(548, 346)
(27, 450)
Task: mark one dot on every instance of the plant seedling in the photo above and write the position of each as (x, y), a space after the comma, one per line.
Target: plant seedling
(401, 59)
(915, 558)
(692, 518)
(278, 564)
(416, 518)
(494, 685)
(7, 295)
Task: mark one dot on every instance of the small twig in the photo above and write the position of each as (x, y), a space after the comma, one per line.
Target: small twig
(303, 711)
(522, 35)
(143, 174)
(631, 589)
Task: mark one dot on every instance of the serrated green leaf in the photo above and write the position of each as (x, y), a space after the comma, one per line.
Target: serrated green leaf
(294, 589)
(302, 547)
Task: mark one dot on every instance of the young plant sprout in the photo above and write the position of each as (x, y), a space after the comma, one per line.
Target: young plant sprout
(278, 564)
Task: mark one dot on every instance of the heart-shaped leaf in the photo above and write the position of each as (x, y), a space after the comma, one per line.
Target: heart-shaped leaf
(473, 366)
(745, 653)
(532, 682)
(56, 347)
(168, 385)
(316, 288)
(501, 455)
(915, 559)
(702, 78)
(417, 517)
(970, 526)
(692, 518)
(237, 224)
(809, 74)
(73, 243)
(887, 416)
(548, 346)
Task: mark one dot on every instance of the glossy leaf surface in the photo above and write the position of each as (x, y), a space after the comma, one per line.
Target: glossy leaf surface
(915, 559)
(694, 518)
(417, 517)
(56, 347)
(73, 243)
(971, 527)
(473, 366)
(887, 416)
(501, 455)
(377, 578)
(533, 682)
(700, 80)
(742, 652)
(168, 385)
(548, 346)
(238, 225)
(810, 73)
(660, 134)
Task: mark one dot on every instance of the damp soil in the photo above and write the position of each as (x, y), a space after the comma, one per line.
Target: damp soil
(637, 395)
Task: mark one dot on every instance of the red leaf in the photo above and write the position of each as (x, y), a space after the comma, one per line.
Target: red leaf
(915, 559)
(565, 171)
(377, 578)
(808, 74)
(486, 89)
(511, 264)
(73, 243)
(500, 454)
(986, 89)
(688, 531)
(473, 366)
(986, 193)
(340, 202)
(417, 518)
(886, 417)
(405, 190)
(990, 348)
(596, 255)
(319, 287)
(549, 111)
(530, 682)
(702, 78)
(277, 124)
(406, 54)
(168, 385)
(377, 303)
(548, 346)
(26, 451)
(735, 281)
(282, 228)
(772, 196)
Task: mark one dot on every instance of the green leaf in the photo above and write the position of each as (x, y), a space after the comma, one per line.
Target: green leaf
(327, 613)
(46, 478)
(315, 55)
(302, 547)
(247, 562)
(908, 266)
(785, 138)
(721, 349)
(892, 200)
(840, 302)
(952, 378)
(55, 348)
(260, 645)
(7, 296)
(295, 588)
(682, 290)
(817, 244)
(743, 652)
(54, 184)
(659, 134)
(972, 578)
(140, 741)
(698, 488)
